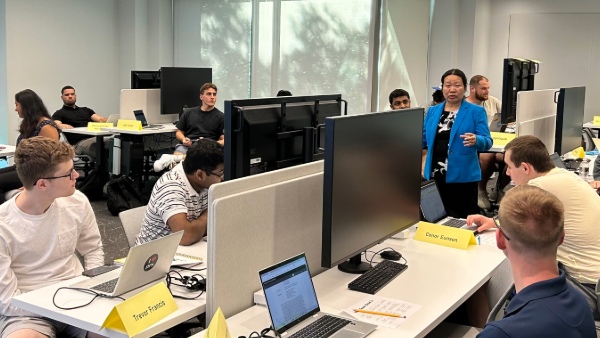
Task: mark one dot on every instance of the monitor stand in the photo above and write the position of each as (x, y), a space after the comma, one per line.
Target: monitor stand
(355, 265)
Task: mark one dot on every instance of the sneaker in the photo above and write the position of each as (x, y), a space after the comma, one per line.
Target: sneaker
(483, 200)
(166, 161)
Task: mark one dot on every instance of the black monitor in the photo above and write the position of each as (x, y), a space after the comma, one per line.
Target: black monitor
(569, 119)
(272, 133)
(145, 79)
(371, 183)
(180, 88)
(519, 75)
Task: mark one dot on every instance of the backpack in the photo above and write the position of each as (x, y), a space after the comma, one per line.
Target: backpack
(93, 183)
(123, 195)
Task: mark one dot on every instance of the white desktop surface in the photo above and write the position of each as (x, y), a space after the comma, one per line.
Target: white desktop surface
(167, 128)
(591, 125)
(85, 131)
(91, 317)
(7, 150)
(438, 278)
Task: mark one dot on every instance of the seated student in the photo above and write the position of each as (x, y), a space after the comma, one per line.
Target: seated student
(399, 99)
(179, 199)
(284, 92)
(527, 162)
(41, 229)
(437, 98)
(529, 232)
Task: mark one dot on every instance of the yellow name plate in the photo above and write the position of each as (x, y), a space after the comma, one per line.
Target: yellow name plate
(218, 327)
(445, 235)
(129, 124)
(141, 311)
(97, 126)
(501, 139)
(596, 120)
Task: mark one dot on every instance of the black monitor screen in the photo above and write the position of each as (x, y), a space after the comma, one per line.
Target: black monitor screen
(273, 133)
(372, 180)
(145, 79)
(569, 119)
(180, 87)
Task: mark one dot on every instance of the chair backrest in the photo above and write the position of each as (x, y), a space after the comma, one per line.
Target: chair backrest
(132, 223)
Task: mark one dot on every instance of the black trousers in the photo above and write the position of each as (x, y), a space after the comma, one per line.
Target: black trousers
(9, 180)
(460, 199)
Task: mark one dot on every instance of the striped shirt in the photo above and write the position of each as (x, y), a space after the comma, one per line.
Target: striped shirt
(172, 194)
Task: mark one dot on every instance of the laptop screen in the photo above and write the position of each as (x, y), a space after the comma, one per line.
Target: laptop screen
(139, 115)
(289, 292)
(431, 203)
(557, 161)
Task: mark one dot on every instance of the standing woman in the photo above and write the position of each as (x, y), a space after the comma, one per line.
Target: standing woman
(453, 132)
(36, 122)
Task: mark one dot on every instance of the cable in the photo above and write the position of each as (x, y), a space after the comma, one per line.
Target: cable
(91, 292)
(191, 283)
(378, 252)
(262, 334)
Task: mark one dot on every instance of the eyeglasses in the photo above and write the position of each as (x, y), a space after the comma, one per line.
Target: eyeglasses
(497, 221)
(219, 175)
(69, 175)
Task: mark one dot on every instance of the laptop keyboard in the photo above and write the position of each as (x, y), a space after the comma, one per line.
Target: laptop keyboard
(107, 287)
(377, 277)
(455, 222)
(325, 326)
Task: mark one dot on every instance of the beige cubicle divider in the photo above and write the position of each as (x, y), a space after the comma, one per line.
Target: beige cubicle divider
(147, 100)
(265, 223)
(536, 115)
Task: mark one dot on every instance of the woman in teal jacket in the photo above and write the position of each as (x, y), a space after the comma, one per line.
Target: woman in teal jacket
(453, 132)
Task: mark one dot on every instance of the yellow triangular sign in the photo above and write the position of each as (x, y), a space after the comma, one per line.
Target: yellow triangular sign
(218, 327)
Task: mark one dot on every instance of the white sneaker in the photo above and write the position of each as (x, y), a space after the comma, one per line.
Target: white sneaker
(166, 161)
(483, 200)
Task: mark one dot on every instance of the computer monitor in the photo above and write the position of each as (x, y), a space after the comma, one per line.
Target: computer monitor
(519, 75)
(371, 183)
(145, 79)
(266, 134)
(180, 88)
(569, 119)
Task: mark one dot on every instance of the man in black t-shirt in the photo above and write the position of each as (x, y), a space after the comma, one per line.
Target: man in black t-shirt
(205, 121)
(71, 116)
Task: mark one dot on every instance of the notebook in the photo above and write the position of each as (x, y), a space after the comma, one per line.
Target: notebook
(433, 209)
(293, 306)
(145, 264)
(139, 115)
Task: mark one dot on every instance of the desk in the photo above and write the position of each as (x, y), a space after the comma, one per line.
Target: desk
(7, 150)
(591, 125)
(438, 278)
(100, 160)
(90, 318)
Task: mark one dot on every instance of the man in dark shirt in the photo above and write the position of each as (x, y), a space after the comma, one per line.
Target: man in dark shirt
(71, 116)
(530, 229)
(205, 121)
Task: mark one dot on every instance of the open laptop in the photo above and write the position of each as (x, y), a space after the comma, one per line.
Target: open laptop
(293, 306)
(145, 264)
(558, 162)
(113, 118)
(496, 124)
(139, 115)
(433, 209)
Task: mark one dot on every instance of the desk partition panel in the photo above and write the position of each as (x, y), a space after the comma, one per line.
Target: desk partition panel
(536, 115)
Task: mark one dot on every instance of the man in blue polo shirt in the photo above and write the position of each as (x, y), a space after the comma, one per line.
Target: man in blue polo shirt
(530, 228)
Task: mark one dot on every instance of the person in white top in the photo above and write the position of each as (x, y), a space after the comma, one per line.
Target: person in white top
(528, 162)
(41, 230)
(479, 94)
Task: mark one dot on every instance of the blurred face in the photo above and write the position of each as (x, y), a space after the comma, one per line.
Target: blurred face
(517, 174)
(209, 98)
(400, 102)
(482, 91)
(68, 97)
(18, 109)
(453, 89)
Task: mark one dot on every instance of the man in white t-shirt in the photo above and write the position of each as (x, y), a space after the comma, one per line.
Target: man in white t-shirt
(528, 162)
(41, 230)
(179, 199)
(479, 94)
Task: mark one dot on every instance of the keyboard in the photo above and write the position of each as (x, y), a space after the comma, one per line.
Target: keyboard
(572, 164)
(377, 277)
(323, 327)
(455, 222)
(107, 287)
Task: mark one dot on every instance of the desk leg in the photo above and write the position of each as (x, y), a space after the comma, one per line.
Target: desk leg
(100, 158)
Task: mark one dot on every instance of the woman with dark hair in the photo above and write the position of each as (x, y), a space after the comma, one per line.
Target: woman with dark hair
(453, 132)
(36, 122)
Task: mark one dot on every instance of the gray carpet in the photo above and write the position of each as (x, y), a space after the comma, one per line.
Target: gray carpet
(111, 230)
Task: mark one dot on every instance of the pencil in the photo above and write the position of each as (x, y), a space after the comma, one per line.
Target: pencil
(379, 313)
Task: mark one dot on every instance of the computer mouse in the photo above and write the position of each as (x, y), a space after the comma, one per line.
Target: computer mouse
(391, 255)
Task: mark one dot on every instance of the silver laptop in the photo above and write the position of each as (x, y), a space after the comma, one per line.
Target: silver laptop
(113, 118)
(433, 209)
(145, 264)
(139, 115)
(496, 124)
(293, 306)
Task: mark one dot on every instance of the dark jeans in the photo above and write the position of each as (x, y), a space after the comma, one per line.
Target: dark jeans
(460, 199)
